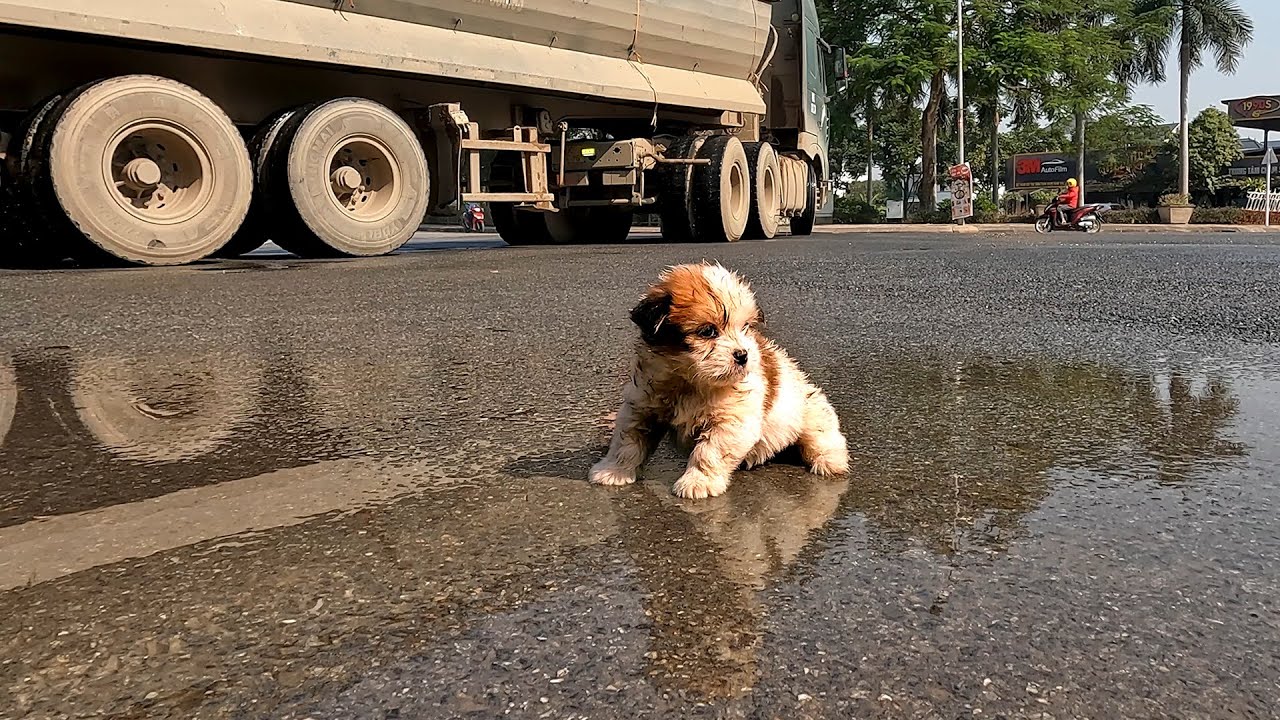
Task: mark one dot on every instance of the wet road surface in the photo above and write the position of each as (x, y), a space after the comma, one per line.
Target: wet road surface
(284, 489)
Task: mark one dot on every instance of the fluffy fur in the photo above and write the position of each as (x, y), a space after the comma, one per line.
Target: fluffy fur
(704, 373)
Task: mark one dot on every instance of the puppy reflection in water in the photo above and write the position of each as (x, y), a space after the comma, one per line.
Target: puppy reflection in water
(704, 373)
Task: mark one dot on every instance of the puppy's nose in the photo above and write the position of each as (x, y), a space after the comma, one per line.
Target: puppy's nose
(740, 357)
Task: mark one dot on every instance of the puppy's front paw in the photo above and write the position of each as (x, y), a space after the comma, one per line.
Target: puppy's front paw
(697, 485)
(830, 463)
(606, 473)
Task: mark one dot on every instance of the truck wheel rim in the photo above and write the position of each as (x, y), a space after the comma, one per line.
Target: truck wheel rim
(161, 173)
(768, 194)
(363, 178)
(738, 198)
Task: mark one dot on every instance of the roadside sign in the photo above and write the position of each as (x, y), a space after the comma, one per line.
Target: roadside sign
(961, 191)
(894, 210)
(1270, 157)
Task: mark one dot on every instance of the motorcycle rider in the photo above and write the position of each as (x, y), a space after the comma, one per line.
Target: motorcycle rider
(1068, 200)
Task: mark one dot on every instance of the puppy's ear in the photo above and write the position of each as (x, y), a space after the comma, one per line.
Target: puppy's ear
(651, 317)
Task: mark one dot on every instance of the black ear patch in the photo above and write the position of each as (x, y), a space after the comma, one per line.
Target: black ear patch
(651, 317)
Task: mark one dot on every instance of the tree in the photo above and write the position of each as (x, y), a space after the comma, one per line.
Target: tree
(1198, 27)
(1212, 146)
(1095, 45)
(903, 53)
(1006, 58)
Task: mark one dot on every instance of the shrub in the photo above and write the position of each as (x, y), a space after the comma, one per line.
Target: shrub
(1140, 216)
(1175, 200)
(857, 211)
(1023, 219)
(1219, 216)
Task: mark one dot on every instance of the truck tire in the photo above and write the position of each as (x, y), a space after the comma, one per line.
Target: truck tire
(20, 243)
(802, 224)
(140, 169)
(762, 222)
(355, 177)
(519, 227)
(254, 231)
(675, 181)
(588, 225)
(721, 191)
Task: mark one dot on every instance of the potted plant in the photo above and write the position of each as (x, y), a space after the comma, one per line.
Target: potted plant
(1040, 200)
(1175, 209)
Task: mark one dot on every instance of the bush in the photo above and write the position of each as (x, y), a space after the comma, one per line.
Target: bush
(1023, 219)
(857, 211)
(1140, 216)
(1219, 216)
(984, 210)
(1175, 200)
(938, 216)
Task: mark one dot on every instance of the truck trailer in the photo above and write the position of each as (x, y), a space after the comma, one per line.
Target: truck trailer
(168, 131)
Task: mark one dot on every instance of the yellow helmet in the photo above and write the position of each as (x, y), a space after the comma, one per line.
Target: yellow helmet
(1071, 182)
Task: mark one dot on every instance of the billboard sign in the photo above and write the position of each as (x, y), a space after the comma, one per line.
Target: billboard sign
(1254, 108)
(1042, 170)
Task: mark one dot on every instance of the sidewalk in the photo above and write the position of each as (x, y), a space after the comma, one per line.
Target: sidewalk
(1030, 229)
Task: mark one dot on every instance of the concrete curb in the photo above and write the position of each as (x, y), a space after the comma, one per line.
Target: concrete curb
(1030, 229)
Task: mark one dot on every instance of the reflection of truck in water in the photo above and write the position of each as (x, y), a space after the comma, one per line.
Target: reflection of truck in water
(162, 133)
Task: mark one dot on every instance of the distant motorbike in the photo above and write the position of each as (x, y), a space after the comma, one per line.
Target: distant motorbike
(1086, 218)
(473, 219)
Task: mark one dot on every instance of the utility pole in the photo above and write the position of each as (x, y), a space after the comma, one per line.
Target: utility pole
(960, 75)
(960, 82)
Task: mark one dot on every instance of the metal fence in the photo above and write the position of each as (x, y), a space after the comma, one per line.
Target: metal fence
(1258, 202)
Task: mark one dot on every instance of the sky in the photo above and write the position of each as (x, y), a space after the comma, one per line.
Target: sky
(1258, 74)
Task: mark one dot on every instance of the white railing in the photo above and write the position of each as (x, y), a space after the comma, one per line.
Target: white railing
(1258, 202)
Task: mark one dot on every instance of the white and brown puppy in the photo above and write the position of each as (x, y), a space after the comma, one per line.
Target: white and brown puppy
(704, 373)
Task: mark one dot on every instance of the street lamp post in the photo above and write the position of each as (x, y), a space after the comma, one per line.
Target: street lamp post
(960, 75)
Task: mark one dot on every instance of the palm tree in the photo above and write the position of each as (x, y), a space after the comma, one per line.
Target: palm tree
(1199, 27)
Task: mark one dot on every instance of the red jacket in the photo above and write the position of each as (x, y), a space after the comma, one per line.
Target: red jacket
(1070, 198)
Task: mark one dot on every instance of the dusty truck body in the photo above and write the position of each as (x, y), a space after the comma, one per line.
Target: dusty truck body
(162, 133)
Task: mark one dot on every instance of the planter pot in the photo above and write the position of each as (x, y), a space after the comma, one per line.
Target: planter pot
(1175, 215)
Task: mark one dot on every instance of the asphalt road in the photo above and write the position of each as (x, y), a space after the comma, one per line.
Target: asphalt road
(281, 489)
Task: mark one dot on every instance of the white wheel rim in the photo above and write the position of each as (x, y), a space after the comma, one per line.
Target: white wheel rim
(159, 172)
(364, 178)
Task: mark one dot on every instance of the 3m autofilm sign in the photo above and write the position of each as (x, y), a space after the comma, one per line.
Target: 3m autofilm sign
(1042, 170)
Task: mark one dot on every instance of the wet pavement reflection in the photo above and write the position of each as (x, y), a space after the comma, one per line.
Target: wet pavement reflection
(236, 535)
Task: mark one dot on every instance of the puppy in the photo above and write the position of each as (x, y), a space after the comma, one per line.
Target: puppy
(704, 373)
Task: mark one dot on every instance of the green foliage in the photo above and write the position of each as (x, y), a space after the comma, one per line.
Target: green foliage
(984, 211)
(1213, 145)
(1193, 28)
(1140, 216)
(1219, 216)
(855, 210)
(1175, 200)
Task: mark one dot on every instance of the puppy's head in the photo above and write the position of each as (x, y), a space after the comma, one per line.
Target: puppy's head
(703, 321)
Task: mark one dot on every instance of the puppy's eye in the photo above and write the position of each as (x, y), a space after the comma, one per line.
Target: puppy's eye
(708, 331)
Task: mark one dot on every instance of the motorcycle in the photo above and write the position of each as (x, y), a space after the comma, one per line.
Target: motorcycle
(1086, 218)
(473, 219)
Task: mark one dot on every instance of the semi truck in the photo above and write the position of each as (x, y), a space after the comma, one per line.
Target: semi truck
(164, 132)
